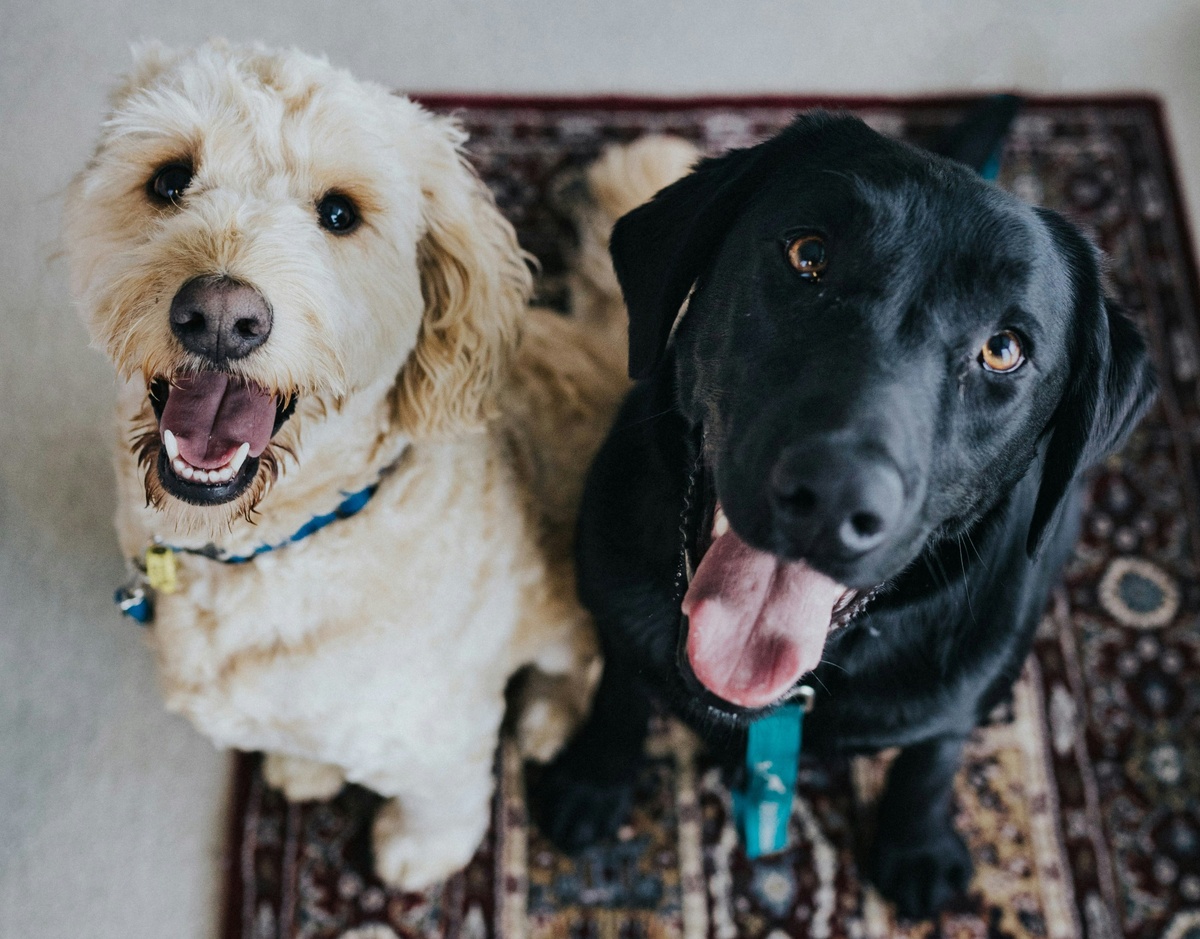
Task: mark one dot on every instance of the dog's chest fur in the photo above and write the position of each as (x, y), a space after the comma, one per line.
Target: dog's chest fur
(246, 650)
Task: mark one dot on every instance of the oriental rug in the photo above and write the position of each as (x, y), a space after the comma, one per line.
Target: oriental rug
(1081, 802)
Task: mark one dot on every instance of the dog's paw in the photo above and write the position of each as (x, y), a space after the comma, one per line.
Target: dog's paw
(921, 877)
(543, 728)
(550, 705)
(409, 860)
(302, 780)
(575, 812)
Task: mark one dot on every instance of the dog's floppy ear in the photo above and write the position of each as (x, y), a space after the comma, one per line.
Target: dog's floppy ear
(660, 248)
(475, 284)
(1110, 385)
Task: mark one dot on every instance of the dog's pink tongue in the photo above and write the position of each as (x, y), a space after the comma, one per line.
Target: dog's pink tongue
(212, 414)
(755, 623)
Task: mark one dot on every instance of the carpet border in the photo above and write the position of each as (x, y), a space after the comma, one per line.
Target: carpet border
(633, 102)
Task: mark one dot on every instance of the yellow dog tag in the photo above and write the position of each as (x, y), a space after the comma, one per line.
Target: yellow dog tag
(160, 569)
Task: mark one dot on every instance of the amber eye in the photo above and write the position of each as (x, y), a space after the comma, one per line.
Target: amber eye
(807, 255)
(1002, 353)
(170, 182)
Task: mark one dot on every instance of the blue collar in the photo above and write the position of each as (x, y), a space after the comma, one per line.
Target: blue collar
(352, 504)
(136, 598)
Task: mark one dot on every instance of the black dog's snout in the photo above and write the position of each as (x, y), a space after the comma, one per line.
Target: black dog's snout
(833, 500)
(219, 318)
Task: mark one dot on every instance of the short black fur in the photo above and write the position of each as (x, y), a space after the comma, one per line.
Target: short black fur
(876, 368)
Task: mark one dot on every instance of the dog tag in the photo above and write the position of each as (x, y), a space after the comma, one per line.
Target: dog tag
(133, 600)
(763, 806)
(160, 569)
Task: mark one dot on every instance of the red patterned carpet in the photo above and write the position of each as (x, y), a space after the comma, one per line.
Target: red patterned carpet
(1082, 805)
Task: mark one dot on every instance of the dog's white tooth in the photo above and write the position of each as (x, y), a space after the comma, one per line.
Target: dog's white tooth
(226, 474)
(188, 472)
(204, 476)
(177, 464)
(240, 457)
(720, 524)
(171, 444)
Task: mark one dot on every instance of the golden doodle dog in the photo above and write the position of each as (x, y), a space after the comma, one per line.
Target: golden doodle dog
(349, 454)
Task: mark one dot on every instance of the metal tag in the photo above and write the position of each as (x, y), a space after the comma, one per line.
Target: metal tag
(136, 601)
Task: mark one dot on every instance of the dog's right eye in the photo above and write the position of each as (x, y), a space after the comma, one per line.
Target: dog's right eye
(169, 183)
(807, 255)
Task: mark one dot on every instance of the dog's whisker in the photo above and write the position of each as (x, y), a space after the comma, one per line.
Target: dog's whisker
(971, 543)
(966, 580)
(654, 417)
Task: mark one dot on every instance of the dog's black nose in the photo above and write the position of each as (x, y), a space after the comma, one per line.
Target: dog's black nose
(835, 500)
(219, 318)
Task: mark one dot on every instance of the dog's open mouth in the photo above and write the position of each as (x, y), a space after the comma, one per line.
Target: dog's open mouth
(756, 623)
(213, 427)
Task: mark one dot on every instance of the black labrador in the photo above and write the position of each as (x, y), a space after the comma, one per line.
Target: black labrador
(856, 454)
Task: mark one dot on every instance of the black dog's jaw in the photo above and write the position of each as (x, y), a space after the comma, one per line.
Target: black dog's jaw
(892, 376)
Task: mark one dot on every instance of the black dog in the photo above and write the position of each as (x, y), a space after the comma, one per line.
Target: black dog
(867, 434)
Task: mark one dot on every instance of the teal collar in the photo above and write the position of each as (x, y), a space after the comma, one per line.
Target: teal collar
(762, 805)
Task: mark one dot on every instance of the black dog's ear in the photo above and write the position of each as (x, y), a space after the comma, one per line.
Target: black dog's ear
(1110, 385)
(660, 248)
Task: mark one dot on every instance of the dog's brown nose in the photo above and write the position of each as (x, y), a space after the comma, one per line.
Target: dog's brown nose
(220, 319)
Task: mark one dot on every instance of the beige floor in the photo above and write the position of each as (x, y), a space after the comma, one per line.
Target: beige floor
(111, 813)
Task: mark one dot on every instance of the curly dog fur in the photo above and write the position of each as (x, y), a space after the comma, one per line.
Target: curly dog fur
(379, 649)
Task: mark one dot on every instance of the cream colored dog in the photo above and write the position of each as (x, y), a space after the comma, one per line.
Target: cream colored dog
(313, 302)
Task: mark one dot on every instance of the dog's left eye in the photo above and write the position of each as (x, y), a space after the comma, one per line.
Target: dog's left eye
(807, 255)
(170, 182)
(1002, 352)
(337, 214)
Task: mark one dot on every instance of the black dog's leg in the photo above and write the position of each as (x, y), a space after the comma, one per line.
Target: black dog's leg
(919, 861)
(586, 792)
